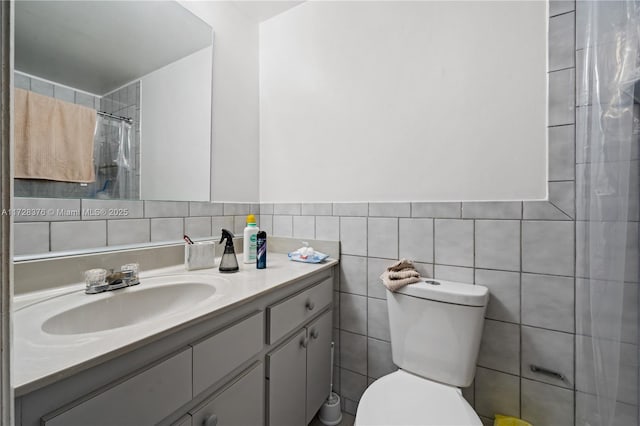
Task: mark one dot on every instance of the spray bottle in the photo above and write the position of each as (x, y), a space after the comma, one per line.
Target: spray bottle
(229, 262)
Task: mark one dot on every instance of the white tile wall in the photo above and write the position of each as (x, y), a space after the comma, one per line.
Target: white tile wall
(500, 348)
(128, 231)
(304, 227)
(78, 235)
(454, 242)
(544, 404)
(498, 244)
(353, 235)
(382, 237)
(353, 274)
(549, 349)
(548, 302)
(197, 227)
(31, 238)
(496, 392)
(416, 239)
(504, 294)
(167, 229)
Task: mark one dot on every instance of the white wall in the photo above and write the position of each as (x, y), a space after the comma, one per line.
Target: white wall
(176, 130)
(234, 153)
(398, 101)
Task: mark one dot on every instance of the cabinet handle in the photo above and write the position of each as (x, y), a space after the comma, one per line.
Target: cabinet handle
(303, 343)
(314, 334)
(310, 305)
(211, 420)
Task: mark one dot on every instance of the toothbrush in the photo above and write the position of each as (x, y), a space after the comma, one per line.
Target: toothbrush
(187, 239)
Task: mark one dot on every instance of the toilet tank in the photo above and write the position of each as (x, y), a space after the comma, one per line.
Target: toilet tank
(436, 328)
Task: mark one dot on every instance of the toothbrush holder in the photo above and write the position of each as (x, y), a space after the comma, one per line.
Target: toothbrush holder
(200, 255)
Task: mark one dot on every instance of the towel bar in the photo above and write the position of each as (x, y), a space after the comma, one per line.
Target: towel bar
(547, 372)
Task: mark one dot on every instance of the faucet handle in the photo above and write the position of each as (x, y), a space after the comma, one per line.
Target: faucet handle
(95, 280)
(131, 273)
(130, 267)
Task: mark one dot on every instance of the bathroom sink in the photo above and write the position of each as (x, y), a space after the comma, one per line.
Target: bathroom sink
(155, 297)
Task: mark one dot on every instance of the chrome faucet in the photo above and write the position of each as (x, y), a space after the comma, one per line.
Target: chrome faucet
(99, 281)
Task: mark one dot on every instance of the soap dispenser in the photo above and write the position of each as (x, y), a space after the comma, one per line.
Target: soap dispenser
(229, 262)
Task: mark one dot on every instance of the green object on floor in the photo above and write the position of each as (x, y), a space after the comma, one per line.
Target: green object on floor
(509, 421)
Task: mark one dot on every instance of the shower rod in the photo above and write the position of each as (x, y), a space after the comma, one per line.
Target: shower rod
(117, 117)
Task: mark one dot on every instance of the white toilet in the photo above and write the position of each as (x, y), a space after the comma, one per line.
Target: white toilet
(435, 337)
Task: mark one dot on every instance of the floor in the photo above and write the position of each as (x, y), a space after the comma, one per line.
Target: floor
(347, 420)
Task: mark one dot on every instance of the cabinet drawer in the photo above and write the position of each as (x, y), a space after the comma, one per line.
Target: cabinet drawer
(144, 399)
(218, 355)
(239, 404)
(289, 314)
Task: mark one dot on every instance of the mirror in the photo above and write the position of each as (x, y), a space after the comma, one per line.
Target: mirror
(152, 136)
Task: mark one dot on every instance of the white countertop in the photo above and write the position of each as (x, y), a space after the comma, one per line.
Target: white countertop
(41, 358)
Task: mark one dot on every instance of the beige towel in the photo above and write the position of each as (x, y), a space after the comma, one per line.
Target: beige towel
(400, 265)
(400, 274)
(53, 139)
(405, 273)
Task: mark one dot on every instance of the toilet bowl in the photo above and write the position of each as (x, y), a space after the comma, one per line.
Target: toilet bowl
(402, 399)
(435, 328)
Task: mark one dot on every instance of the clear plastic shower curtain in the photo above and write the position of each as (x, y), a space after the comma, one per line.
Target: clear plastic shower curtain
(607, 194)
(113, 156)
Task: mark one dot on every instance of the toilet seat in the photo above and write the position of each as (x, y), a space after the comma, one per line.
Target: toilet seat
(403, 399)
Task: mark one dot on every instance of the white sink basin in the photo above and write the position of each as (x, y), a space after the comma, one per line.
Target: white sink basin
(152, 298)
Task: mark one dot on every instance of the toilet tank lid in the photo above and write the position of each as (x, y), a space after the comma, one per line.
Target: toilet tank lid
(448, 292)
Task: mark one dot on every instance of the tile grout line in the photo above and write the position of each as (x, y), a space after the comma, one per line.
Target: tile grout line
(433, 248)
(575, 212)
(520, 313)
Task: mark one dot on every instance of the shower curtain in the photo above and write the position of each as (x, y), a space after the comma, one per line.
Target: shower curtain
(607, 209)
(113, 157)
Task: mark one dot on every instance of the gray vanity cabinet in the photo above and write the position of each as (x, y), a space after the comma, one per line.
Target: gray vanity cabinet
(239, 404)
(266, 361)
(298, 374)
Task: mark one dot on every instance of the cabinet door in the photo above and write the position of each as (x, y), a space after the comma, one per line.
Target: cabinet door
(286, 382)
(239, 404)
(318, 363)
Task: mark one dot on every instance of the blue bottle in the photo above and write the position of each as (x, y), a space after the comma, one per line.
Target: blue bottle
(261, 261)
